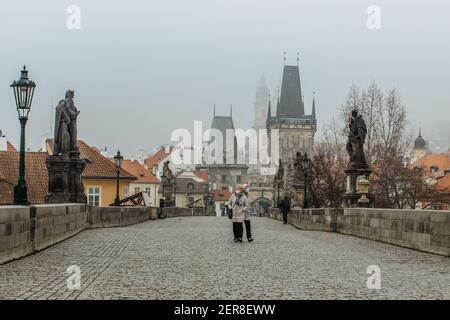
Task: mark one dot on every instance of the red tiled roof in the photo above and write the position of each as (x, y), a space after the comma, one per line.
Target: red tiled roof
(96, 149)
(202, 174)
(443, 183)
(9, 146)
(221, 195)
(438, 160)
(156, 158)
(35, 174)
(140, 172)
(97, 165)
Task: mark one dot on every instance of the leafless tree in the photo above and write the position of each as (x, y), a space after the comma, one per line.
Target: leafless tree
(327, 176)
(394, 184)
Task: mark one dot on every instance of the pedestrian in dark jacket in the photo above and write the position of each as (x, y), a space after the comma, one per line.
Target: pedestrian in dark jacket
(285, 207)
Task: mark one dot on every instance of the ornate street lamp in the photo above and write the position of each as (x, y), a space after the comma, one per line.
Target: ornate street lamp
(23, 94)
(305, 166)
(118, 159)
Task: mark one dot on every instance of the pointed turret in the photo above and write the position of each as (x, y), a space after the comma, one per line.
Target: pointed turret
(420, 142)
(222, 124)
(291, 101)
(313, 112)
(278, 105)
(269, 112)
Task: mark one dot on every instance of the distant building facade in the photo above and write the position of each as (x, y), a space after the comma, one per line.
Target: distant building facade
(420, 149)
(146, 182)
(295, 128)
(190, 187)
(261, 104)
(220, 158)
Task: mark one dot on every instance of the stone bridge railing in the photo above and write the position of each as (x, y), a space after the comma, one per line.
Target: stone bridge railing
(25, 230)
(424, 230)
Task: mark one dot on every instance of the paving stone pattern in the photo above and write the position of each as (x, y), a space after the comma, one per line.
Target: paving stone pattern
(195, 258)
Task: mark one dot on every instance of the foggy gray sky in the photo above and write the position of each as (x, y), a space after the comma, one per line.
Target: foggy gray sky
(141, 69)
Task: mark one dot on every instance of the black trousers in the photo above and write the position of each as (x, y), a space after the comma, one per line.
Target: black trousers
(238, 230)
(285, 217)
(248, 229)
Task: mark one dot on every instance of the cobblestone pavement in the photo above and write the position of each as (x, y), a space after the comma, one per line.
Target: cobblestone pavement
(195, 258)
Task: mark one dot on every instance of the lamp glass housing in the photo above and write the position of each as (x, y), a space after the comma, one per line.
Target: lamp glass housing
(118, 159)
(23, 93)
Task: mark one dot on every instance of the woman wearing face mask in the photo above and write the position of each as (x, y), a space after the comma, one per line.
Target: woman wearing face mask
(239, 204)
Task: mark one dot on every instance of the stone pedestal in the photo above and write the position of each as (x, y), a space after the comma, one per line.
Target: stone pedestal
(297, 195)
(58, 179)
(352, 195)
(64, 179)
(168, 194)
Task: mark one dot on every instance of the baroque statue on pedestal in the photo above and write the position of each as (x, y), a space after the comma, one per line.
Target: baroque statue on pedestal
(357, 169)
(65, 165)
(356, 140)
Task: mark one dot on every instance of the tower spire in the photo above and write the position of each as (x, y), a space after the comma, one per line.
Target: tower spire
(269, 111)
(298, 58)
(313, 113)
(231, 110)
(284, 58)
(214, 110)
(278, 102)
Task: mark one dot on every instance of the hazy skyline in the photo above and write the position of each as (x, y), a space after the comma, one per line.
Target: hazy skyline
(144, 68)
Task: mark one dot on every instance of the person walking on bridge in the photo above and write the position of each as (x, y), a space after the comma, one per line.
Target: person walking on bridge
(239, 204)
(285, 207)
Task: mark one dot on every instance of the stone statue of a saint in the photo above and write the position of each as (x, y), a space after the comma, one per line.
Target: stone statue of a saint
(62, 137)
(297, 166)
(356, 140)
(167, 175)
(66, 126)
(65, 166)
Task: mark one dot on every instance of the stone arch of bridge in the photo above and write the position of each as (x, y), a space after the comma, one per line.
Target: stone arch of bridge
(260, 206)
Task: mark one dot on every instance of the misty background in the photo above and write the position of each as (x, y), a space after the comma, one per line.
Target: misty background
(141, 69)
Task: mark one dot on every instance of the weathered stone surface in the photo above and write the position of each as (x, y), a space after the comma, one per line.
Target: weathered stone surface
(190, 258)
(24, 230)
(420, 230)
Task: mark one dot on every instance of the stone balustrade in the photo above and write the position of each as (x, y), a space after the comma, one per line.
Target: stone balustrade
(54, 223)
(15, 232)
(25, 230)
(424, 230)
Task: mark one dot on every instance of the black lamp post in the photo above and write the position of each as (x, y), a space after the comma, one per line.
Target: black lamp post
(118, 159)
(305, 166)
(23, 94)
